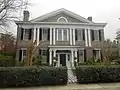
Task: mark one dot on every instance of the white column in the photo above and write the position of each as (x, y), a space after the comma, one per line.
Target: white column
(54, 53)
(67, 35)
(89, 37)
(54, 36)
(57, 34)
(62, 34)
(34, 34)
(23, 33)
(70, 36)
(72, 58)
(86, 38)
(76, 53)
(50, 36)
(50, 57)
(58, 60)
(73, 36)
(38, 36)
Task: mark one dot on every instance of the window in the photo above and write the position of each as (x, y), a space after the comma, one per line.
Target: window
(96, 54)
(59, 35)
(62, 34)
(96, 34)
(24, 54)
(62, 20)
(44, 34)
(79, 34)
(26, 34)
(43, 52)
(65, 35)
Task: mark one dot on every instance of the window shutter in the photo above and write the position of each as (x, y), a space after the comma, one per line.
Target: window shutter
(92, 35)
(40, 52)
(85, 56)
(48, 56)
(76, 35)
(78, 55)
(30, 34)
(40, 35)
(100, 37)
(49, 34)
(20, 55)
(83, 34)
(22, 30)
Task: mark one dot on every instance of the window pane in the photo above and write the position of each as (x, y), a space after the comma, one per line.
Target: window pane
(59, 34)
(26, 35)
(65, 35)
(44, 34)
(79, 34)
(24, 53)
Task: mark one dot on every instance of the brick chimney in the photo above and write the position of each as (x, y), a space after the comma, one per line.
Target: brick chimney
(26, 16)
(89, 18)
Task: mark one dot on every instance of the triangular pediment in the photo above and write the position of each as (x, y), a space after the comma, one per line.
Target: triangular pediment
(61, 15)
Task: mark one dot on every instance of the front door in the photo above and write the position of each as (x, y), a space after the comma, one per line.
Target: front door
(63, 59)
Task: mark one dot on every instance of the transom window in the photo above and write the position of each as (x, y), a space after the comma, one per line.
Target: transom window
(62, 20)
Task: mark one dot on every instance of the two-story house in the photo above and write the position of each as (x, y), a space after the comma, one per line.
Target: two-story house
(60, 34)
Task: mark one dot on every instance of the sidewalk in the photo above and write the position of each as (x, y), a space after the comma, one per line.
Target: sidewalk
(109, 86)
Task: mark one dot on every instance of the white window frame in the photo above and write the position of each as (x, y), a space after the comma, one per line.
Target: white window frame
(22, 52)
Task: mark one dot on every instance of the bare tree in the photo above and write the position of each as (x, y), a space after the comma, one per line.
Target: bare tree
(10, 8)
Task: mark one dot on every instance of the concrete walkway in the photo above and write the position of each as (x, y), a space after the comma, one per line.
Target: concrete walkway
(110, 86)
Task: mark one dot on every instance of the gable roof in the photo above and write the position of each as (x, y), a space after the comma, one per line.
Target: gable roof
(62, 10)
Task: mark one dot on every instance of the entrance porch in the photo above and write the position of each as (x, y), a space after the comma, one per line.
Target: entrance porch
(63, 56)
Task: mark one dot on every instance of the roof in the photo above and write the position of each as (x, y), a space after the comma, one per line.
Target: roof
(62, 10)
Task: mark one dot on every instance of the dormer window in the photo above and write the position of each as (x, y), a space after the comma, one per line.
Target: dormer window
(62, 20)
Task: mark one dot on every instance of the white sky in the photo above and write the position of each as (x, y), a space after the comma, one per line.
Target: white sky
(106, 11)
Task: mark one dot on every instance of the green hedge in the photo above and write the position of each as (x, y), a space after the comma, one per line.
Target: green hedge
(6, 61)
(93, 74)
(32, 76)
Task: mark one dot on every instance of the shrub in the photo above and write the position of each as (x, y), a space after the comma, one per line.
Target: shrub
(32, 76)
(93, 74)
(6, 61)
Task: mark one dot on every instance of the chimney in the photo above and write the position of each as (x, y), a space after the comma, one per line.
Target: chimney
(26, 16)
(89, 18)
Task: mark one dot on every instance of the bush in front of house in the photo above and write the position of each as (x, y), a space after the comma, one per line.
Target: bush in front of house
(32, 76)
(6, 61)
(97, 74)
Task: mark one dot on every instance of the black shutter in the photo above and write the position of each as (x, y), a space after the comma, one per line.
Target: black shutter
(78, 53)
(83, 34)
(22, 33)
(85, 56)
(76, 35)
(92, 35)
(40, 35)
(49, 34)
(30, 34)
(20, 55)
(100, 37)
(48, 56)
(40, 52)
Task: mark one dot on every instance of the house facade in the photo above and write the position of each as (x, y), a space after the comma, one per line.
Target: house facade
(61, 36)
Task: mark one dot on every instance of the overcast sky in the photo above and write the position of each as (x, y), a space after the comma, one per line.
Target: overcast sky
(106, 11)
